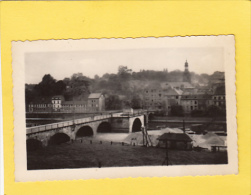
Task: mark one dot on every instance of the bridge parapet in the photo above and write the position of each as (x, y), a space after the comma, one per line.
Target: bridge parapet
(36, 129)
(133, 113)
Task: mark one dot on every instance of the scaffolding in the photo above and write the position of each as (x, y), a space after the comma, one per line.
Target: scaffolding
(146, 138)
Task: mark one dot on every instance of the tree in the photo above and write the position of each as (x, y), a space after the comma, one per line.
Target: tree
(96, 77)
(79, 84)
(67, 81)
(177, 110)
(114, 83)
(213, 111)
(30, 94)
(136, 102)
(197, 113)
(47, 86)
(124, 72)
(112, 102)
(59, 87)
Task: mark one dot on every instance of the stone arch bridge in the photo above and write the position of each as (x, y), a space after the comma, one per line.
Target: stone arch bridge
(56, 133)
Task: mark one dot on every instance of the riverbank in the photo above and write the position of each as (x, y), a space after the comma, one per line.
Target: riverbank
(86, 155)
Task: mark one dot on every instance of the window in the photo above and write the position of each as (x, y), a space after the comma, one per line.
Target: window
(146, 91)
(177, 97)
(195, 102)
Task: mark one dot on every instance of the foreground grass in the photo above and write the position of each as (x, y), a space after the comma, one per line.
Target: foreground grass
(84, 155)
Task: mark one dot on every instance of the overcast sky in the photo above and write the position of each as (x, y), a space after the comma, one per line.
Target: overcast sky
(98, 62)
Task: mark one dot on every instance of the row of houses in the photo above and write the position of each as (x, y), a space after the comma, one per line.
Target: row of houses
(94, 103)
(165, 95)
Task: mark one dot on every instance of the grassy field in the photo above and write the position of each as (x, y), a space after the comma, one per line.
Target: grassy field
(83, 155)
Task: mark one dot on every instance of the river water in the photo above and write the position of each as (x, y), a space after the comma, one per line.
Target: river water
(115, 137)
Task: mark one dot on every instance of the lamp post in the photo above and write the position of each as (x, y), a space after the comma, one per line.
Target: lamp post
(73, 125)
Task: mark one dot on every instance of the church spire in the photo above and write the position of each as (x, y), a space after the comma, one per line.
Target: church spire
(186, 65)
(186, 74)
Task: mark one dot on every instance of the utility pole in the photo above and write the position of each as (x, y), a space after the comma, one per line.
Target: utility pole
(184, 126)
(166, 154)
(146, 138)
(166, 158)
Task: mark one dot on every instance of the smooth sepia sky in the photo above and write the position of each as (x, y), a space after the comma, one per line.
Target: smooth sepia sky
(98, 62)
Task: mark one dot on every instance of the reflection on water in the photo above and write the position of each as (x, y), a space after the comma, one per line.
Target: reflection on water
(116, 137)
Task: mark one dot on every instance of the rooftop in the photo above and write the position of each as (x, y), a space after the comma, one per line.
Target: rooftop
(196, 96)
(75, 102)
(171, 91)
(220, 90)
(58, 97)
(176, 84)
(94, 95)
(175, 137)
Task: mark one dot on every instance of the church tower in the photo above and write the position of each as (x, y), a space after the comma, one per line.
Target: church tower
(186, 74)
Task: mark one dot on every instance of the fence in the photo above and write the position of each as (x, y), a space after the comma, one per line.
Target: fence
(86, 140)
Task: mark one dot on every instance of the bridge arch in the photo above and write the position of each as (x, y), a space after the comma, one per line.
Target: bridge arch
(136, 125)
(59, 138)
(33, 144)
(104, 127)
(84, 131)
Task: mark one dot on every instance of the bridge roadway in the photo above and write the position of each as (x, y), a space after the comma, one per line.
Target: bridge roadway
(40, 128)
(70, 130)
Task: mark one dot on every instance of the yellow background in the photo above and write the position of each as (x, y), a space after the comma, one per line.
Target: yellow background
(75, 20)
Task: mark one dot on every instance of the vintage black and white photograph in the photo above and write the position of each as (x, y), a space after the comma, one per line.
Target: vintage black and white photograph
(144, 106)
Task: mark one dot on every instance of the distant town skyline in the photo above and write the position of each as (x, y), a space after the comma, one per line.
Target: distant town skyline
(99, 62)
